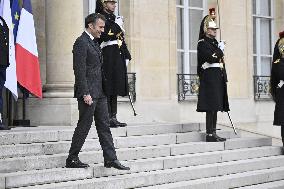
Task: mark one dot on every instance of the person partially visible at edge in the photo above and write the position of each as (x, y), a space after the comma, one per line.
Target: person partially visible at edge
(89, 91)
(4, 64)
(115, 58)
(277, 83)
(211, 70)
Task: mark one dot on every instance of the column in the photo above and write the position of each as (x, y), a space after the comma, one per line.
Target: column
(64, 23)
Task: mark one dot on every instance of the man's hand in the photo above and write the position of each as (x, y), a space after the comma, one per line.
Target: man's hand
(88, 99)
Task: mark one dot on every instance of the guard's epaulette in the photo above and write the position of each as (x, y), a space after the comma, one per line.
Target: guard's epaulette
(200, 40)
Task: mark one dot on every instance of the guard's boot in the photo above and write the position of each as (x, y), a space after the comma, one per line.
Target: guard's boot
(120, 124)
(113, 123)
(220, 139)
(211, 138)
(116, 122)
(214, 138)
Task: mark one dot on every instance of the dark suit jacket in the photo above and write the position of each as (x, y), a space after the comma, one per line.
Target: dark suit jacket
(4, 43)
(87, 66)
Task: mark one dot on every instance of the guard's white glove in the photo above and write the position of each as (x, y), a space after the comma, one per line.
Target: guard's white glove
(222, 45)
(127, 62)
(281, 83)
(119, 21)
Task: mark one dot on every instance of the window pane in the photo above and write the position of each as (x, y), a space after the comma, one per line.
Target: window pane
(180, 34)
(265, 36)
(179, 2)
(180, 59)
(193, 63)
(254, 36)
(195, 3)
(265, 66)
(264, 7)
(255, 65)
(195, 17)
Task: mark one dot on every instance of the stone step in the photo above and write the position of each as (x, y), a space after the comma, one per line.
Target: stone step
(58, 160)
(52, 134)
(235, 143)
(25, 178)
(231, 173)
(48, 148)
(250, 179)
(269, 185)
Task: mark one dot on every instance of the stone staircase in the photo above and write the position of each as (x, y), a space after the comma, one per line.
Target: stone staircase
(160, 156)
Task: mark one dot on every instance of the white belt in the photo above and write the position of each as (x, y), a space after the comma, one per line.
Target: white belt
(108, 43)
(281, 83)
(212, 65)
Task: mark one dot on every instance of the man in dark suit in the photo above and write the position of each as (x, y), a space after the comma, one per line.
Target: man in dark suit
(4, 63)
(88, 89)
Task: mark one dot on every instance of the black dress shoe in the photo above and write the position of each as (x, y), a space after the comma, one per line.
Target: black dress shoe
(75, 163)
(115, 164)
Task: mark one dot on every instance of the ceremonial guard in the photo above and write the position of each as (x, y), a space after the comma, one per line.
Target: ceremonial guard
(277, 83)
(212, 95)
(4, 63)
(115, 58)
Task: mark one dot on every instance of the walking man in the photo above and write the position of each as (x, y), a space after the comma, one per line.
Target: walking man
(89, 91)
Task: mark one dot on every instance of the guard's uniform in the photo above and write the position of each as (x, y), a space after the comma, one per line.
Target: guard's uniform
(277, 83)
(113, 64)
(4, 62)
(115, 53)
(212, 96)
(213, 88)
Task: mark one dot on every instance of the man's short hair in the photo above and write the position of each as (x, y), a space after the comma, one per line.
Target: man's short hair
(92, 18)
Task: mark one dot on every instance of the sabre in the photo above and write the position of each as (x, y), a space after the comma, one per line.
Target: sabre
(232, 124)
(131, 102)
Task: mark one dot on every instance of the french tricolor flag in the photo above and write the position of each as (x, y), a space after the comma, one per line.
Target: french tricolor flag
(28, 69)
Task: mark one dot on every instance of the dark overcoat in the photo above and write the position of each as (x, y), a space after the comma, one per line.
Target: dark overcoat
(213, 81)
(114, 58)
(277, 74)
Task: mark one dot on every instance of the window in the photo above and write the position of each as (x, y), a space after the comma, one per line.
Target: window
(262, 36)
(189, 16)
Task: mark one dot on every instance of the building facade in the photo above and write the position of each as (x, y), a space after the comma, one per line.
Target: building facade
(162, 36)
